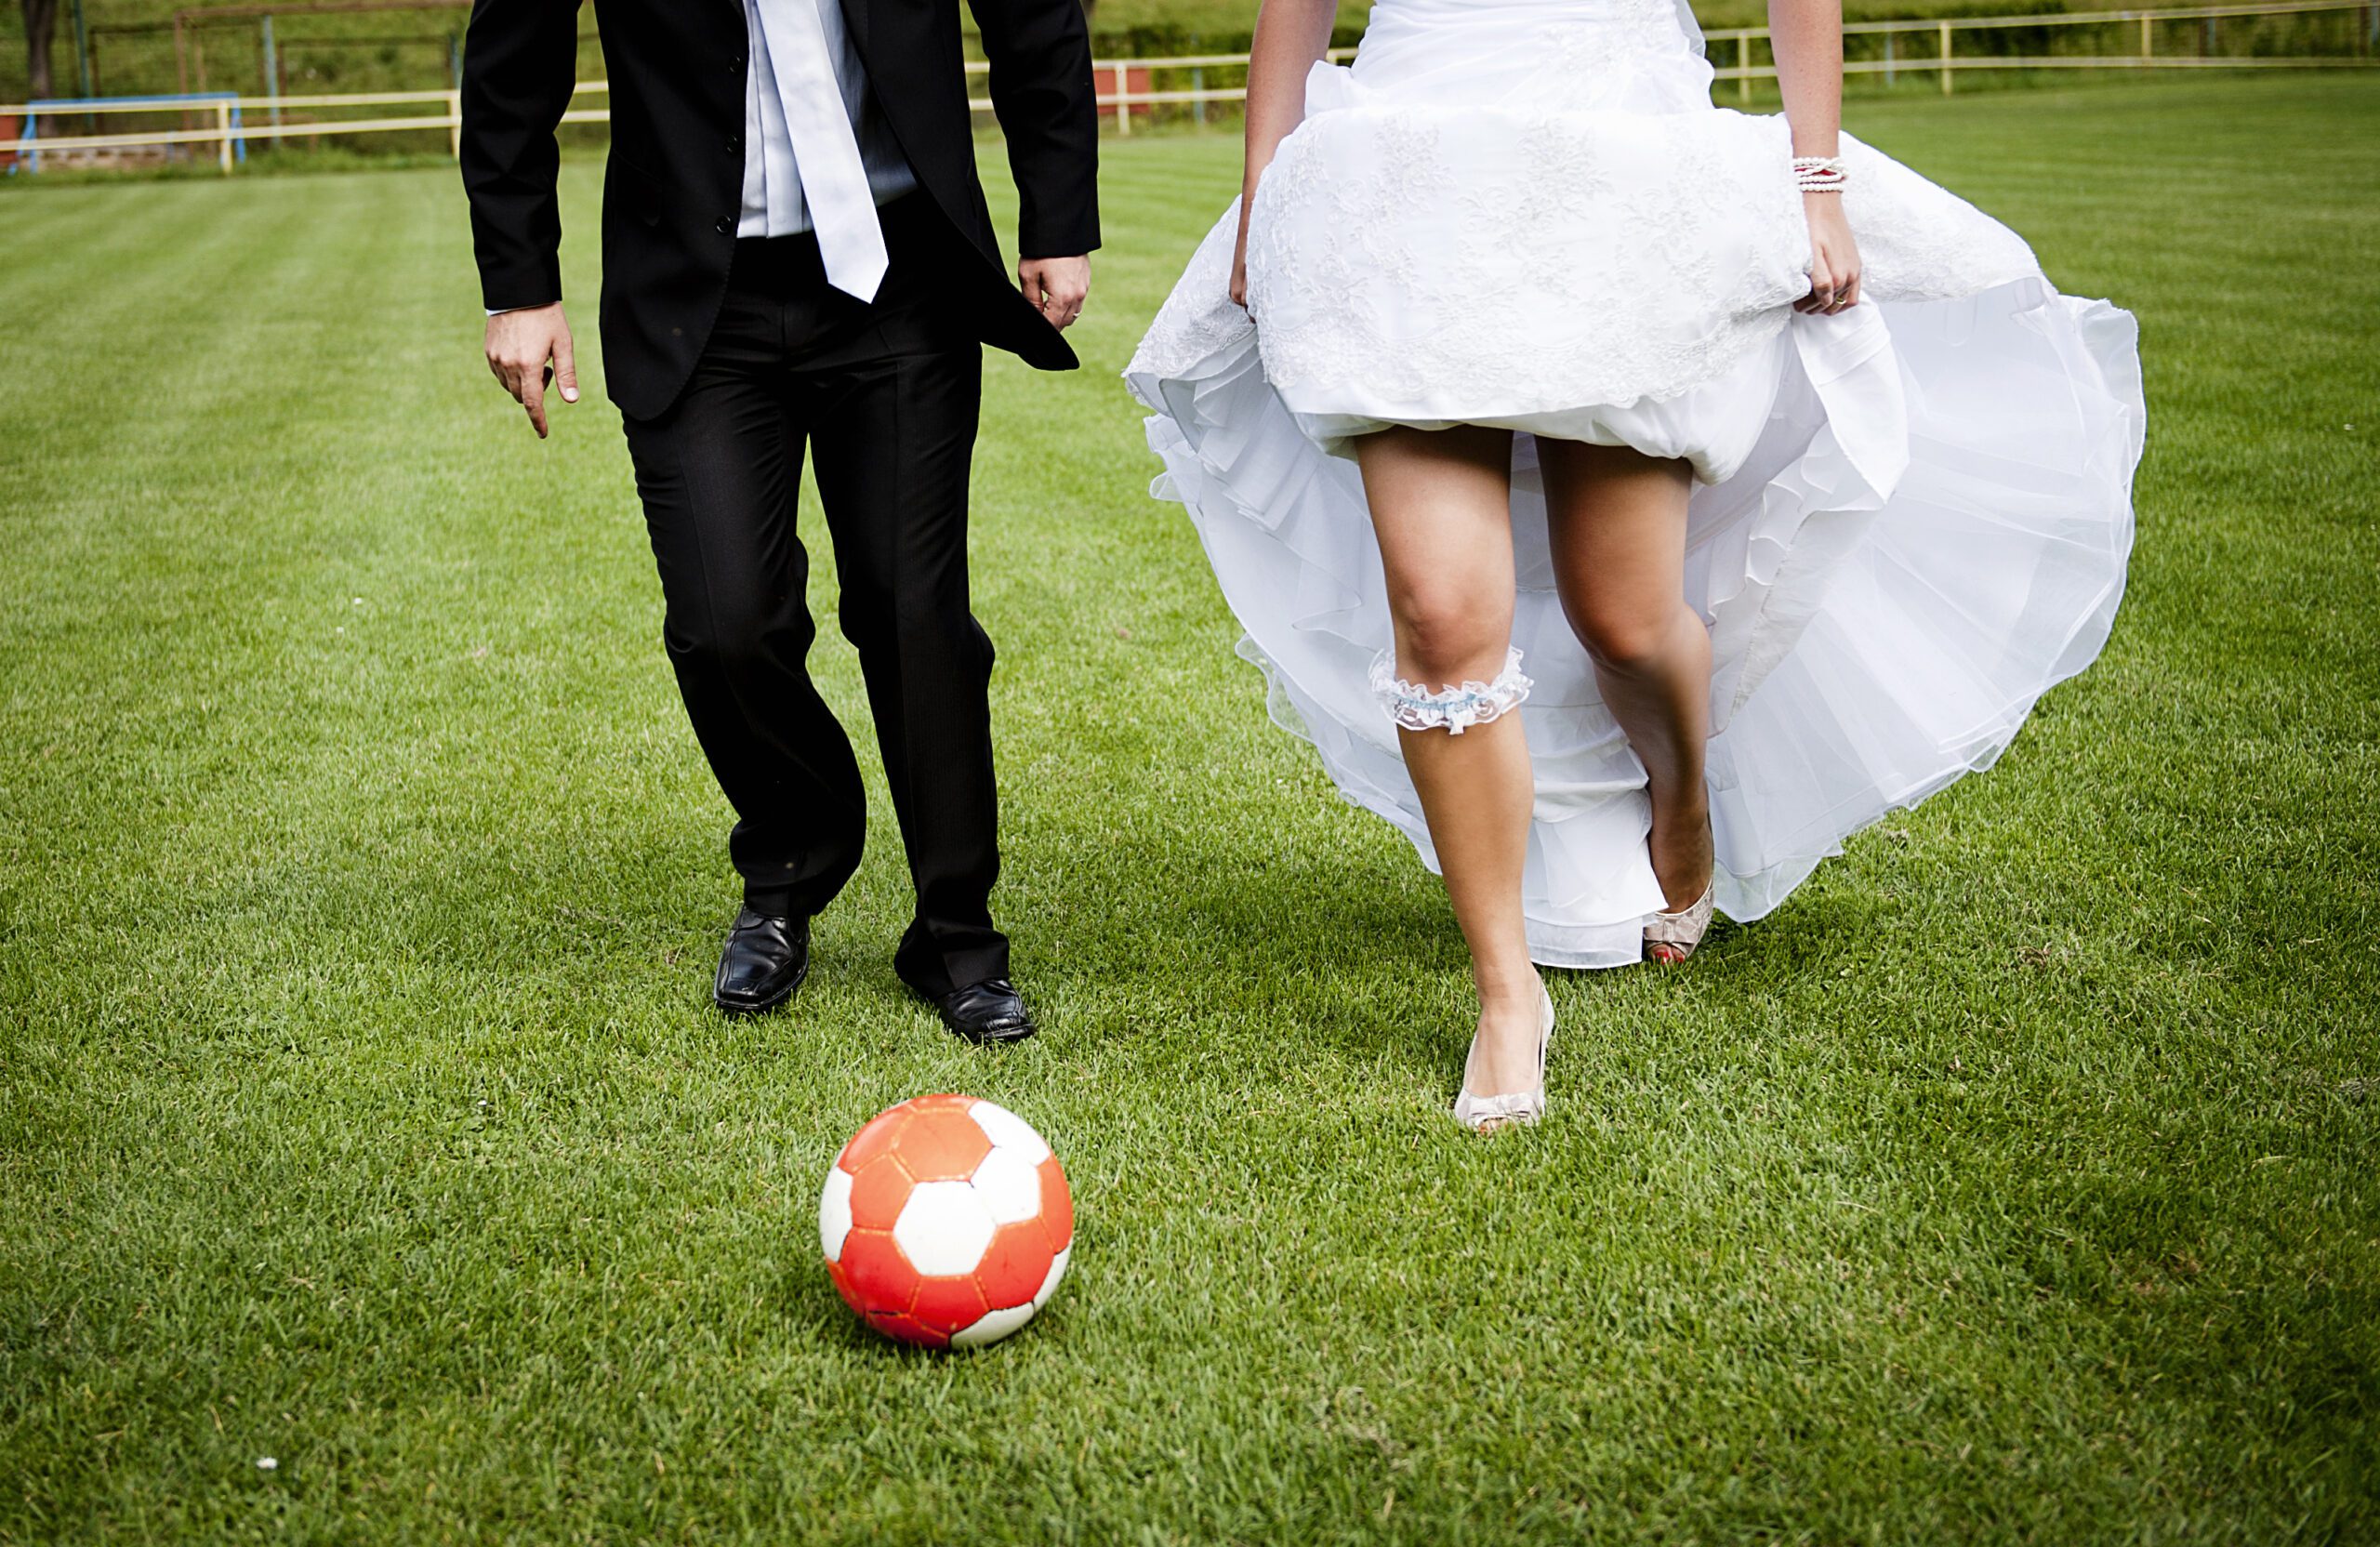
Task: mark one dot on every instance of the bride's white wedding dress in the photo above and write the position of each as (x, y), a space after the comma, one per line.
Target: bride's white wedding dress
(1910, 519)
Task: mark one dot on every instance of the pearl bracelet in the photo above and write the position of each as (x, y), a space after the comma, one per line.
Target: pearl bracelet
(1818, 174)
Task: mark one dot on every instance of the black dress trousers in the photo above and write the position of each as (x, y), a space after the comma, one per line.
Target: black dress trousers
(884, 395)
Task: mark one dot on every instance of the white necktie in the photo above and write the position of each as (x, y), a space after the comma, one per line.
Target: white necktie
(825, 151)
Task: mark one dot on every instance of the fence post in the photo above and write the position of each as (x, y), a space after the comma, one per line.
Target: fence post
(1123, 100)
(455, 124)
(223, 129)
(1945, 58)
(1888, 60)
(83, 67)
(2148, 37)
(272, 72)
(1743, 64)
(83, 52)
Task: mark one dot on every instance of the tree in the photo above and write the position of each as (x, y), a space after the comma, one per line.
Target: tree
(41, 21)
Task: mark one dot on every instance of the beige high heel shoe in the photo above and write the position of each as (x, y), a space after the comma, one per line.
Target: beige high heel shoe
(1670, 937)
(1486, 1114)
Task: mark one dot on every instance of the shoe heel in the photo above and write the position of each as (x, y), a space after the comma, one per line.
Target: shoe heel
(1518, 1108)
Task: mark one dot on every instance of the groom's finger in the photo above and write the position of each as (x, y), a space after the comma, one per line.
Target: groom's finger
(533, 398)
(1065, 303)
(565, 369)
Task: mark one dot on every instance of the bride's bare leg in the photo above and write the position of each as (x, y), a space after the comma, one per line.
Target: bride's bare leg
(1618, 531)
(1440, 503)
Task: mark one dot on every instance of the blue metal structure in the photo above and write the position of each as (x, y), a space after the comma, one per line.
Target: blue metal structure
(30, 159)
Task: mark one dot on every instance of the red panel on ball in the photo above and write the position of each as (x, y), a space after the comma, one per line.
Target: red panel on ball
(943, 1145)
(878, 1192)
(948, 1304)
(908, 1329)
(1057, 1205)
(1015, 1264)
(875, 1139)
(843, 1286)
(881, 1280)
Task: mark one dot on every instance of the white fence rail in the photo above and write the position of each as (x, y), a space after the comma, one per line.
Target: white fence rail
(1942, 59)
(228, 123)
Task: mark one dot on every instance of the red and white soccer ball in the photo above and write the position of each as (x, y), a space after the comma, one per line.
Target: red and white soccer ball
(947, 1222)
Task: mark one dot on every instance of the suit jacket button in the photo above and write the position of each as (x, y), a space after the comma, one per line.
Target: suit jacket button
(726, 225)
(735, 144)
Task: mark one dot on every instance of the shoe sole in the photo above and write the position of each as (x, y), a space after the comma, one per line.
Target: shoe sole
(992, 1039)
(979, 1038)
(742, 1009)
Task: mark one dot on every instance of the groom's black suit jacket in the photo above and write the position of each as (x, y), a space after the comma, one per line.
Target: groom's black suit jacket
(674, 185)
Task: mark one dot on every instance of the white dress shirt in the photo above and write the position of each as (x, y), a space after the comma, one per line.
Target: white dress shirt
(772, 201)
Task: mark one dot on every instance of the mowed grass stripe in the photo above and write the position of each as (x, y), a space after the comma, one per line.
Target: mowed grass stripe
(153, 619)
(361, 1107)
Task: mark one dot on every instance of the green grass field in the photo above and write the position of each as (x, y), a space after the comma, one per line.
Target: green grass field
(360, 1105)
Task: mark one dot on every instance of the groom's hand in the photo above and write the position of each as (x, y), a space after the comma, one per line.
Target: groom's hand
(1056, 286)
(526, 349)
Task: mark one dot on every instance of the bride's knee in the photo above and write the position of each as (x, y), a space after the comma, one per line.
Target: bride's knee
(1630, 637)
(1448, 633)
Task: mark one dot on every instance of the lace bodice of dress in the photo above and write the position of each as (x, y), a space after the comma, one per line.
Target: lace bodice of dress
(1546, 150)
(1532, 53)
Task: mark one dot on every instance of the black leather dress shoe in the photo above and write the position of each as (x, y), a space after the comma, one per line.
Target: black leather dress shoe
(988, 1012)
(765, 961)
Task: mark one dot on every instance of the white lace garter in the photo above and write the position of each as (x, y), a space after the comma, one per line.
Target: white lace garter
(1456, 708)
